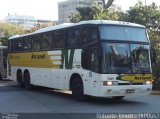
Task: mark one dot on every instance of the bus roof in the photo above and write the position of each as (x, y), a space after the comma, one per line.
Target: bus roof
(67, 25)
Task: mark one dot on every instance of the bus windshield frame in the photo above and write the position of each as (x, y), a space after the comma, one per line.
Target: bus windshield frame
(123, 33)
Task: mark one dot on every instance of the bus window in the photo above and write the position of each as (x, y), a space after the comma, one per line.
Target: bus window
(94, 34)
(17, 45)
(89, 34)
(27, 44)
(73, 38)
(46, 41)
(90, 59)
(58, 39)
(36, 43)
(85, 35)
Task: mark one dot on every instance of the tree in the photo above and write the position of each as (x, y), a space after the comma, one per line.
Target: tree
(7, 30)
(148, 16)
(96, 12)
(108, 4)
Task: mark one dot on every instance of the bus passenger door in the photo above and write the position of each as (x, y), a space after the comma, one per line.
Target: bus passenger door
(90, 64)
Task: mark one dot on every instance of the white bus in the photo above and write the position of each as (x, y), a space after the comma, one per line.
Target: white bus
(97, 58)
(3, 62)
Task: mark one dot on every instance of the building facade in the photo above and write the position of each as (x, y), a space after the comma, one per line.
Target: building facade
(27, 21)
(23, 20)
(66, 8)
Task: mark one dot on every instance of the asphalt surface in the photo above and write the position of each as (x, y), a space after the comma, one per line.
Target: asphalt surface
(48, 103)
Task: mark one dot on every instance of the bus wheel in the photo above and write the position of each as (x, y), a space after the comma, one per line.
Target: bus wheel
(19, 79)
(27, 80)
(77, 89)
(118, 97)
(0, 76)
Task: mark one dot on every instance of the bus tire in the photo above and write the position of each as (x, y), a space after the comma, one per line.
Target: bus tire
(77, 89)
(118, 97)
(0, 76)
(27, 80)
(20, 79)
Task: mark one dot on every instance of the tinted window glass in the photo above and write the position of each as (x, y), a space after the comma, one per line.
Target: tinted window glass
(90, 59)
(124, 33)
(85, 35)
(89, 34)
(36, 43)
(116, 58)
(46, 41)
(94, 34)
(73, 38)
(140, 58)
(17, 45)
(58, 39)
(27, 44)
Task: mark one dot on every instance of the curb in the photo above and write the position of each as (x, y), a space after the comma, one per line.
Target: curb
(155, 92)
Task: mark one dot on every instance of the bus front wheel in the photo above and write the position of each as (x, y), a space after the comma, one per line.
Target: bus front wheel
(77, 89)
(27, 80)
(118, 97)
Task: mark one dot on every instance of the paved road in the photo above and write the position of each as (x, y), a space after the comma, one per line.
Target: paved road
(41, 100)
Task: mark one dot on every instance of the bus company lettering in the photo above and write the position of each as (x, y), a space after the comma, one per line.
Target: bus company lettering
(35, 56)
(142, 78)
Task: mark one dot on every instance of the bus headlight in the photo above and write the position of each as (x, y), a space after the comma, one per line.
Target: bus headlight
(110, 83)
(147, 82)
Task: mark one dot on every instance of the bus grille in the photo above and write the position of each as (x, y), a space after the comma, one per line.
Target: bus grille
(130, 84)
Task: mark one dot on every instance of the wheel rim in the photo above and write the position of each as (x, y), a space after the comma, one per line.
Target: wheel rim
(78, 89)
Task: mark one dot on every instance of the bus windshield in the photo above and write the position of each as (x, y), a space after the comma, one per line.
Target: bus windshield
(121, 58)
(123, 33)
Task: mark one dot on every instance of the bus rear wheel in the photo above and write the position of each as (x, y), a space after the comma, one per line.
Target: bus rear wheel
(27, 80)
(0, 76)
(77, 89)
(20, 80)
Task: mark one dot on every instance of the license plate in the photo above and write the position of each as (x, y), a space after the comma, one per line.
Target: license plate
(130, 91)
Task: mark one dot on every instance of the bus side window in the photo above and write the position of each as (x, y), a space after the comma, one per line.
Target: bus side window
(46, 41)
(94, 34)
(90, 59)
(17, 45)
(36, 43)
(73, 38)
(58, 39)
(93, 59)
(27, 44)
(85, 35)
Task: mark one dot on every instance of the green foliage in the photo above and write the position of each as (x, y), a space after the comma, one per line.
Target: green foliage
(7, 30)
(96, 12)
(148, 16)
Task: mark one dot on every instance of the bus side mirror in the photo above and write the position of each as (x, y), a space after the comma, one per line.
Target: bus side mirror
(153, 56)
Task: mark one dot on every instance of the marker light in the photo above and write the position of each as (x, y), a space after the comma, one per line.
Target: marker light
(148, 82)
(110, 83)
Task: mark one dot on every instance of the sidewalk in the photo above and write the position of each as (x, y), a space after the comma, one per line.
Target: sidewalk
(7, 82)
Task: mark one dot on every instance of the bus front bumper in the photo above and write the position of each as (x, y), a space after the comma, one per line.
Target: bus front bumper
(110, 91)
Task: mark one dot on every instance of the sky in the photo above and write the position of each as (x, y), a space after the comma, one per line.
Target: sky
(48, 9)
